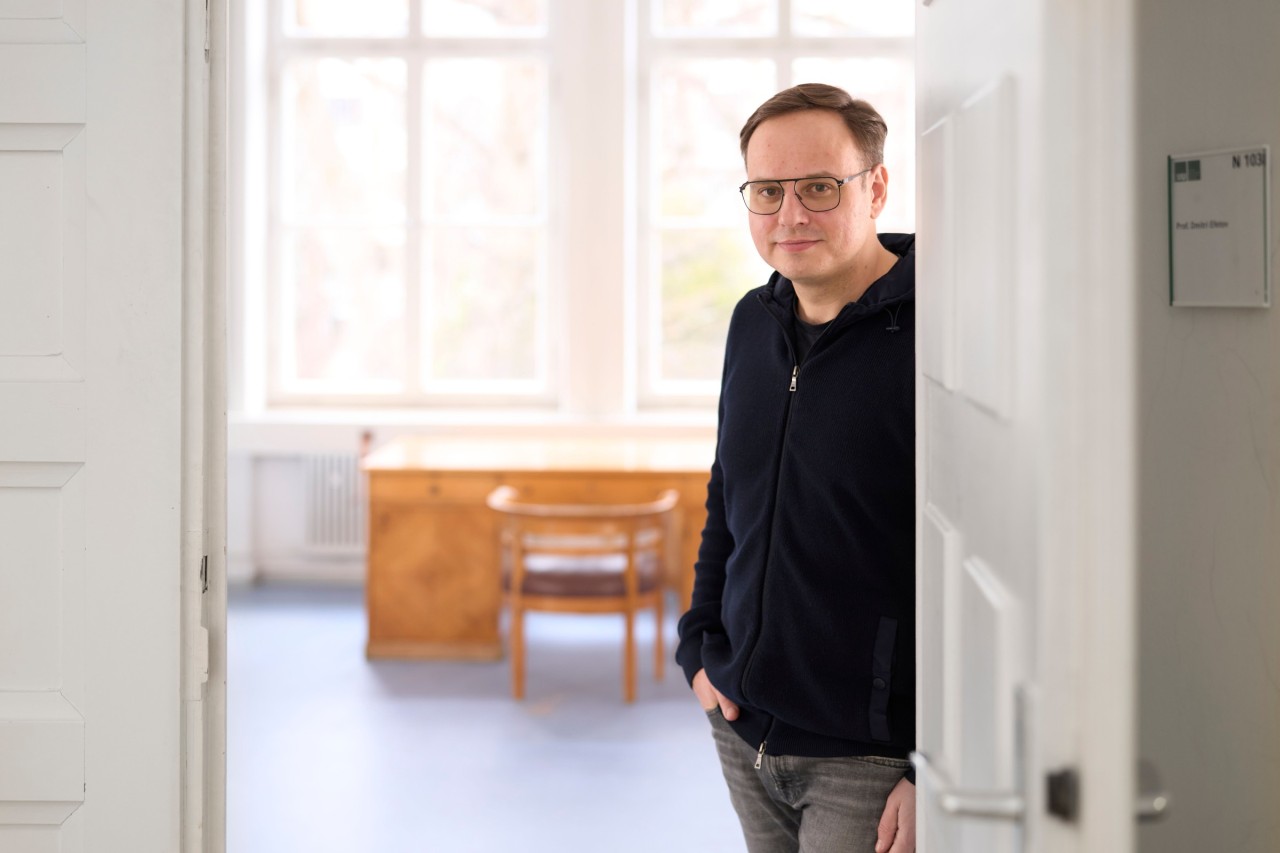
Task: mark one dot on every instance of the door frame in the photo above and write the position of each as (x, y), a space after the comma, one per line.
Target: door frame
(1101, 559)
(204, 431)
(1086, 698)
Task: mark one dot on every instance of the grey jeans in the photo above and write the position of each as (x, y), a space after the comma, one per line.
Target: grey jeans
(794, 804)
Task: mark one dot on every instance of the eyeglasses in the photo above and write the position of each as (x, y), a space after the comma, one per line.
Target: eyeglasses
(816, 194)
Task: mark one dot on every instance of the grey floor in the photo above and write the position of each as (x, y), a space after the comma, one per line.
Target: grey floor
(330, 752)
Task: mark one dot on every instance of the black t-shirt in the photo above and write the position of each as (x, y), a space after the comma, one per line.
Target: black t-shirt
(804, 335)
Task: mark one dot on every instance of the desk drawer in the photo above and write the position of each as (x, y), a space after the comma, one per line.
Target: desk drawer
(427, 488)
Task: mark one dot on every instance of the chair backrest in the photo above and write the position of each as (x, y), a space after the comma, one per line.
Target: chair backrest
(583, 530)
(506, 499)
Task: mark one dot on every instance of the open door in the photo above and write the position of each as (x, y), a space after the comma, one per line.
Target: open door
(104, 406)
(1025, 427)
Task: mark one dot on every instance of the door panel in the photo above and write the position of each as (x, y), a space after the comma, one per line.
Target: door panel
(939, 558)
(978, 480)
(91, 155)
(936, 310)
(984, 243)
(42, 433)
(989, 632)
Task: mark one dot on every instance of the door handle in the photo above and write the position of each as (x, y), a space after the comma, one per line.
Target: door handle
(991, 804)
(998, 805)
(1001, 805)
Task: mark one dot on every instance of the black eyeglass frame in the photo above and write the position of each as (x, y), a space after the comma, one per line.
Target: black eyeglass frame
(742, 191)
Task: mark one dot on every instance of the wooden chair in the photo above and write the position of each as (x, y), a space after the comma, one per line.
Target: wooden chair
(585, 558)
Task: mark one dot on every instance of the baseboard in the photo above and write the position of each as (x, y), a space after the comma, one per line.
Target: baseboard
(240, 570)
(296, 570)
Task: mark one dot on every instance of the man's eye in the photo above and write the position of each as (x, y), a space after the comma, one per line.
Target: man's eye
(819, 188)
(767, 191)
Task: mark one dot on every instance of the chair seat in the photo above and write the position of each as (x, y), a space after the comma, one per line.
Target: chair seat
(584, 577)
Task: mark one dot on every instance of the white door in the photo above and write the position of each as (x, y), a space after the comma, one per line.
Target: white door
(1026, 451)
(98, 545)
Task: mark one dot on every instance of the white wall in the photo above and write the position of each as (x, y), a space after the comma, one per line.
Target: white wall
(1209, 539)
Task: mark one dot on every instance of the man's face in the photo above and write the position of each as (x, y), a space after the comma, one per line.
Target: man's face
(814, 248)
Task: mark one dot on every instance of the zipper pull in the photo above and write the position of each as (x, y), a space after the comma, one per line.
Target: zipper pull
(794, 371)
(760, 754)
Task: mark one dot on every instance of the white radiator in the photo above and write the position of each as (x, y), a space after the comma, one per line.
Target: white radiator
(336, 505)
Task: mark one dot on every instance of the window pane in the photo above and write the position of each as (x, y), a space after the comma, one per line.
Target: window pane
(482, 303)
(700, 106)
(339, 18)
(484, 17)
(344, 146)
(704, 274)
(485, 141)
(715, 17)
(853, 17)
(889, 86)
(346, 286)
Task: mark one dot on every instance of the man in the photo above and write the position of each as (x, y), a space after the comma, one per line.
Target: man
(800, 639)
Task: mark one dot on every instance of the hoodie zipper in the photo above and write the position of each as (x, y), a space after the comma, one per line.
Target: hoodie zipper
(777, 488)
(777, 492)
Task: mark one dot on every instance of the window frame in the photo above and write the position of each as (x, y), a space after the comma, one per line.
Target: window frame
(784, 49)
(415, 49)
(601, 293)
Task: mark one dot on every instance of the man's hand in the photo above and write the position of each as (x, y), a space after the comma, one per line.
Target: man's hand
(709, 698)
(897, 830)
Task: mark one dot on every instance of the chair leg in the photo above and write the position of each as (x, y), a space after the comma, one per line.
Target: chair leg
(629, 662)
(517, 652)
(659, 655)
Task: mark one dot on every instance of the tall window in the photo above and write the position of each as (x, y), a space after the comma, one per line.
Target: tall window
(525, 202)
(409, 245)
(705, 66)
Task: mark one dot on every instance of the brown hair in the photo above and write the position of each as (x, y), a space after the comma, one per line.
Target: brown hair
(866, 125)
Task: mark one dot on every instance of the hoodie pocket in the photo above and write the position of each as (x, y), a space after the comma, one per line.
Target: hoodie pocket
(882, 678)
(715, 651)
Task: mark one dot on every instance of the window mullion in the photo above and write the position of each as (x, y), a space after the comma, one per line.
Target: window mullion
(275, 328)
(415, 20)
(414, 248)
(588, 57)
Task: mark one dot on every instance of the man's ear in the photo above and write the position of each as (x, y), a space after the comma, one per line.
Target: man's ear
(879, 178)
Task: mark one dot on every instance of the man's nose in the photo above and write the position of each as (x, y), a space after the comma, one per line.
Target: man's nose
(792, 211)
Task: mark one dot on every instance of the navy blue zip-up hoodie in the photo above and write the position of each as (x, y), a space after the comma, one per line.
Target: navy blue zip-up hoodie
(803, 608)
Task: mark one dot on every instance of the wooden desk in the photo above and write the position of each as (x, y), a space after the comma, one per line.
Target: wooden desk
(433, 586)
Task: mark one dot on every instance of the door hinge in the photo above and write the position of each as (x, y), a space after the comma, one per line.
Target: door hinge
(1063, 792)
(206, 30)
(204, 574)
